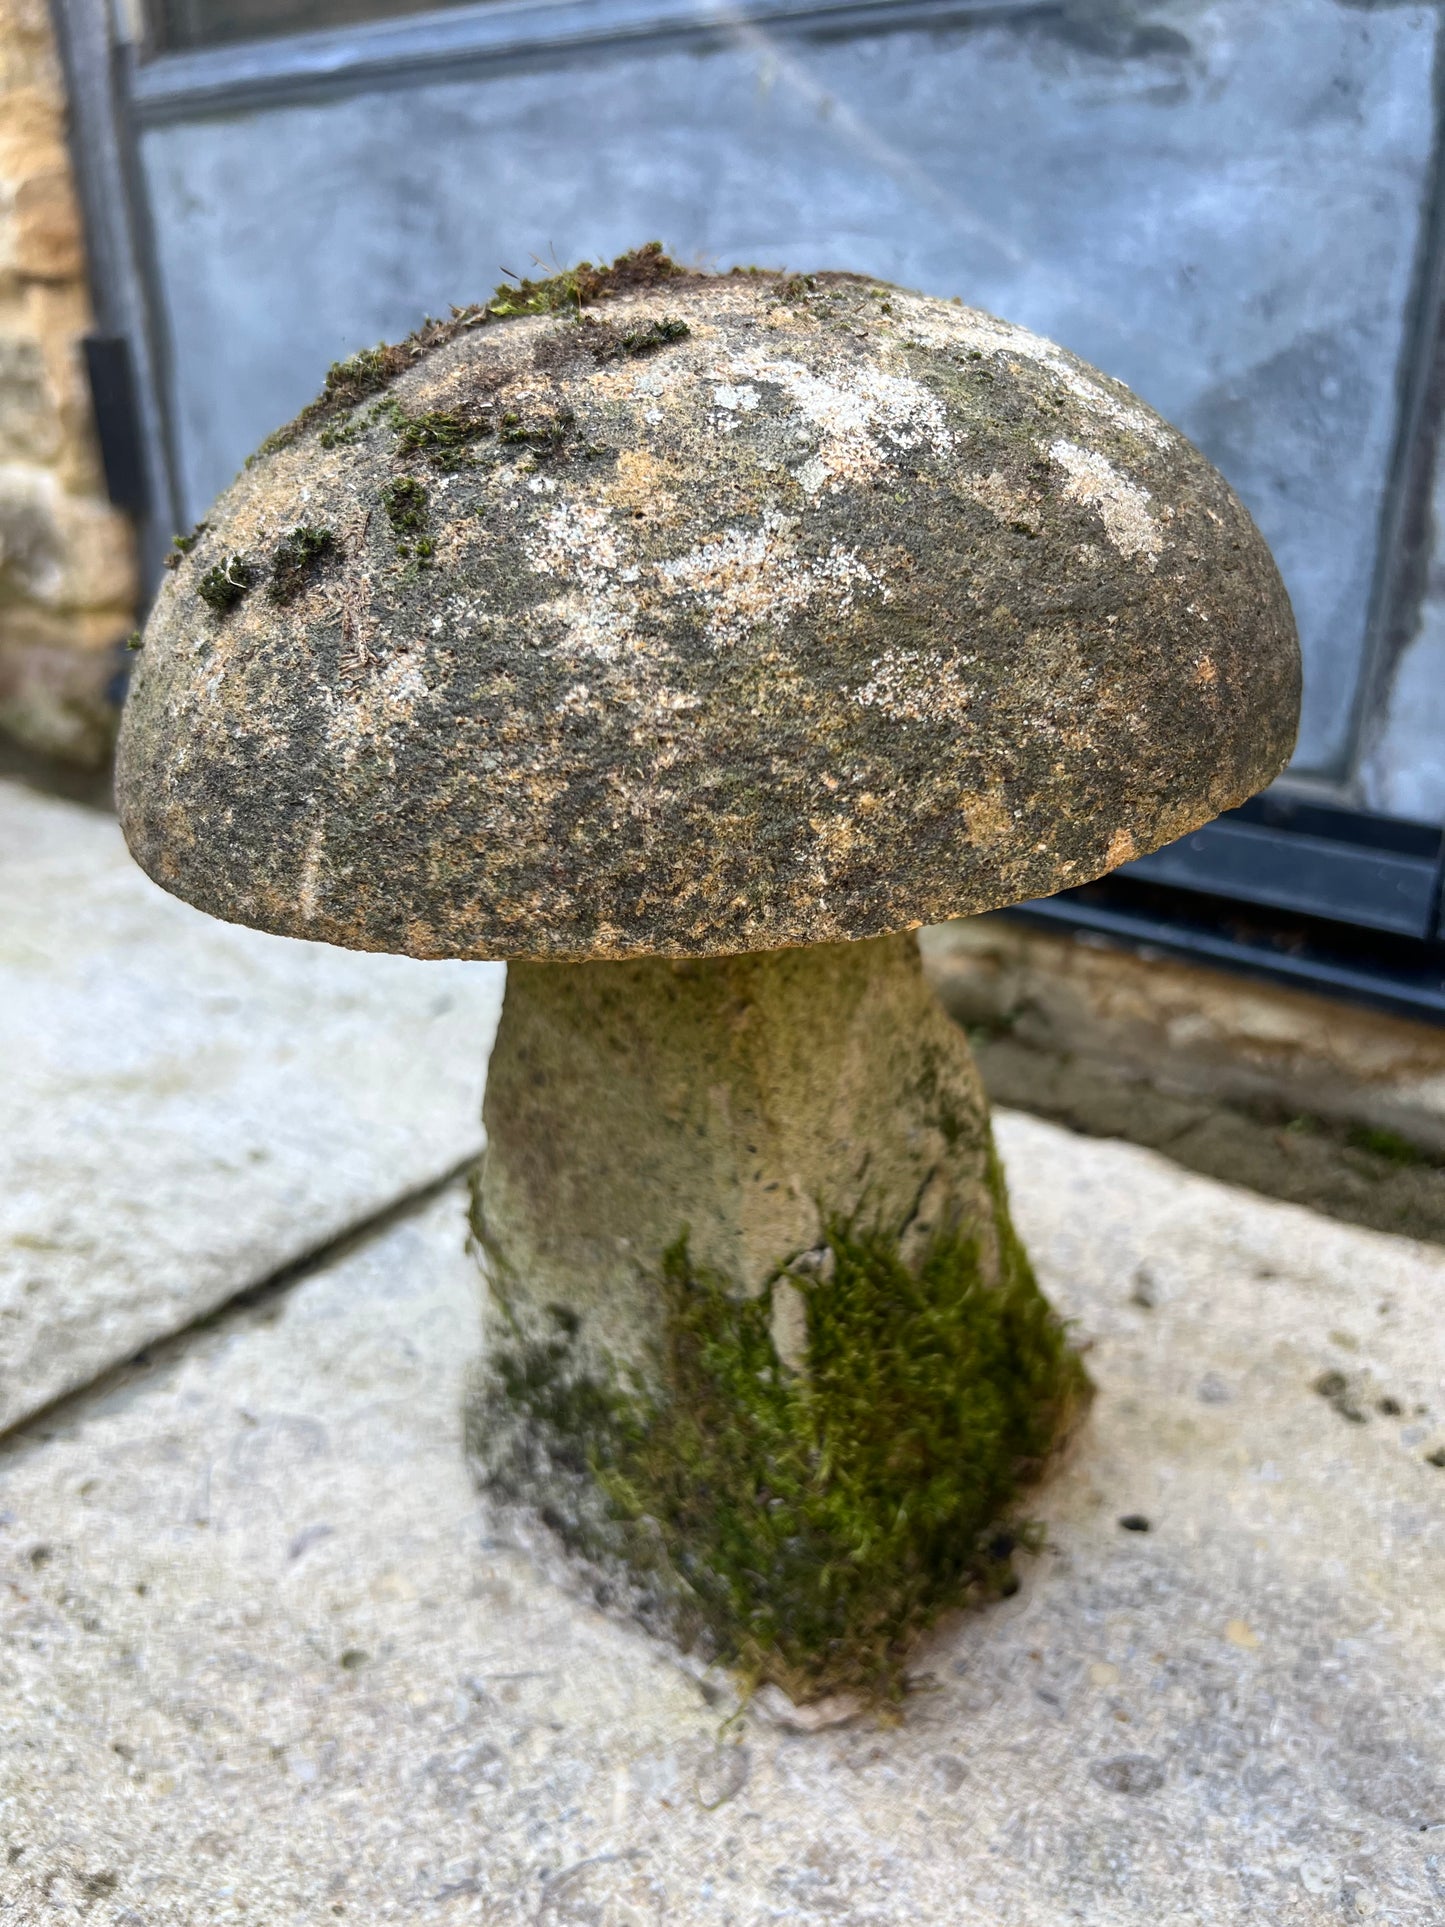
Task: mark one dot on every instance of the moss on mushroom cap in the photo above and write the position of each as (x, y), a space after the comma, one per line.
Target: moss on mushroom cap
(748, 611)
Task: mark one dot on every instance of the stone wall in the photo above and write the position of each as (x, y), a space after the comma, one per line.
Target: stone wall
(67, 566)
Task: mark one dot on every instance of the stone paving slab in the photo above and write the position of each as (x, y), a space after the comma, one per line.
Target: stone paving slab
(260, 1665)
(186, 1106)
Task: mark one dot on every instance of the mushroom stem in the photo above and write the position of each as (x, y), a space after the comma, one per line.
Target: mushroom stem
(764, 1177)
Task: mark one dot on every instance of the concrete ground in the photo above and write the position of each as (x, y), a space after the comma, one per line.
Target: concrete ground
(262, 1663)
(186, 1107)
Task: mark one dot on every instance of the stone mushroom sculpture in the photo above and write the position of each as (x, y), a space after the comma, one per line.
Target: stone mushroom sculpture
(688, 641)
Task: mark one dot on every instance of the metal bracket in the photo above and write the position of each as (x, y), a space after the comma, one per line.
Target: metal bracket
(117, 422)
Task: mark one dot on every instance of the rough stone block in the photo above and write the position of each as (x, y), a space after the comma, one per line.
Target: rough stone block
(67, 570)
(48, 244)
(60, 550)
(55, 695)
(30, 429)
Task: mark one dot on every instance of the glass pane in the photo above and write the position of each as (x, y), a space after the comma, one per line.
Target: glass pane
(1225, 209)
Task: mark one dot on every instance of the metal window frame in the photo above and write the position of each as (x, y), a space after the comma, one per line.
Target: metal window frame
(1310, 860)
(1402, 558)
(464, 39)
(1312, 864)
(1410, 986)
(1340, 901)
(94, 60)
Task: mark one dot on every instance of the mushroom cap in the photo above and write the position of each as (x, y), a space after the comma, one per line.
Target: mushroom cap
(724, 613)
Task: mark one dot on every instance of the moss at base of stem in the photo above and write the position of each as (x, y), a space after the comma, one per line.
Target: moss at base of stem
(804, 1525)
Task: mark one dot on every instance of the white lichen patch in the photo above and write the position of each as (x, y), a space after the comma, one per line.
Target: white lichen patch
(575, 540)
(660, 708)
(745, 577)
(579, 547)
(862, 420)
(813, 475)
(1123, 506)
(401, 682)
(1119, 414)
(744, 399)
(935, 324)
(596, 622)
(917, 686)
(308, 889)
(751, 576)
(383, 699)
(578, 701)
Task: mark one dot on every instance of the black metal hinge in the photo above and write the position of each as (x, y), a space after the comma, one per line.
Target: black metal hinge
(117, 421)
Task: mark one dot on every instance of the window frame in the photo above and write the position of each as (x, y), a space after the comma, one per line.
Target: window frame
(1313, 875)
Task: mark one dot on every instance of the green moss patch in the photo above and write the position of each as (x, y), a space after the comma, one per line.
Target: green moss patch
(346, 429)
(406, 503)
(181, 546)
(442, 435)
(543, 433)
(808, 1525)
(605, 343)
(1381, 1142)
(350, 382)
(573, 289)
(226, 582)
(297, 558)
(657, 334)
(593, 340)
(353, 381)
